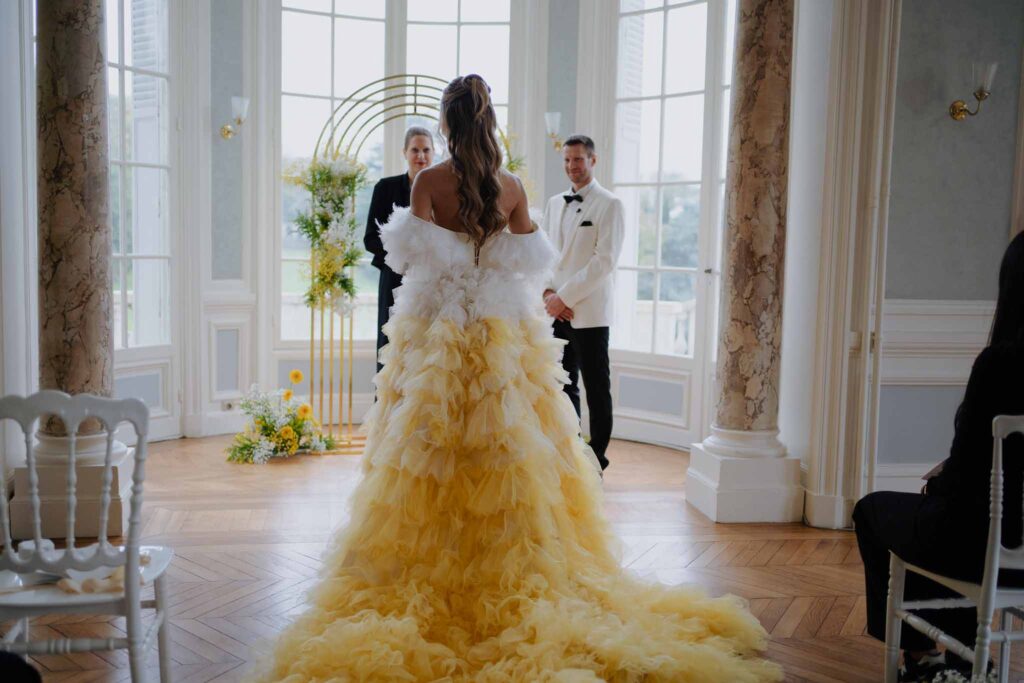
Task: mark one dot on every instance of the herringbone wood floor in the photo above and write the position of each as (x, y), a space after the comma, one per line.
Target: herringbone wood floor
(248, 540)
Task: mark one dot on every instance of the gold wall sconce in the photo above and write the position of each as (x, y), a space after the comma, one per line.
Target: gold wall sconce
(239, 110)
(982, 74)
(553, 122)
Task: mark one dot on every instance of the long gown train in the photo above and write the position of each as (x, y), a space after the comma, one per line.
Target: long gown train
(477, 549)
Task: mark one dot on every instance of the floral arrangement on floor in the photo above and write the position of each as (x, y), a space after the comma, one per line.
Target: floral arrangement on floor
(330, 225)
(280, 426)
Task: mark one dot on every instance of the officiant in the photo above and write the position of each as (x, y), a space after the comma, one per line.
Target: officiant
(388, 193)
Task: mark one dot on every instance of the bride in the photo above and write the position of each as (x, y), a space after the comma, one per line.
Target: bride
(477, 549)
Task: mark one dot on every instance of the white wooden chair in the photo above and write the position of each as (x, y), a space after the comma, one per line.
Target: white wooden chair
(34, 565)
(985, 597)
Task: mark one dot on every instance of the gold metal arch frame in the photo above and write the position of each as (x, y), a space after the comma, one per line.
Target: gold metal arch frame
(350, 125)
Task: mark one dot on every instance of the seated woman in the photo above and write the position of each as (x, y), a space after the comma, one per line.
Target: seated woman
(944, 528)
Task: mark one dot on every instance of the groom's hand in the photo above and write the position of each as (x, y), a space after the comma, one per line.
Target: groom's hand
(555, 307)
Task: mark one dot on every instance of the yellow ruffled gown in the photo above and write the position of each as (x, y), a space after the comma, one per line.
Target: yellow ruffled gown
(477, 549)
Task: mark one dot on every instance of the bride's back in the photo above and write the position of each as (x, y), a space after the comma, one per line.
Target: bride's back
(470, 193)
(441, 185)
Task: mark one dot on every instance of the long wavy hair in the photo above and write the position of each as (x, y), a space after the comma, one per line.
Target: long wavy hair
(471, 125)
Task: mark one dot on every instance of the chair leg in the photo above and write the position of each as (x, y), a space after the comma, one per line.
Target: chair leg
(163, 635)
(893, 624)
(26, 625)
(1005, 624)
(980, 670)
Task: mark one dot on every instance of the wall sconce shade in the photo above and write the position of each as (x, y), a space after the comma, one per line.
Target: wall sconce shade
(982, 75)
(239, 111)
(553, 123)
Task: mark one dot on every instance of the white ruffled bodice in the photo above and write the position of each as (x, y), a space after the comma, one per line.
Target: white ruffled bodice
(441, 278)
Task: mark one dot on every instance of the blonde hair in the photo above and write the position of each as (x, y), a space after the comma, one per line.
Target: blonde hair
(475, 155)
(413, 132)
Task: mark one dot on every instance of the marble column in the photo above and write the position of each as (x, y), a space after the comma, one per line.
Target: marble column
(76, 352)
(75, 317)
(740, 472)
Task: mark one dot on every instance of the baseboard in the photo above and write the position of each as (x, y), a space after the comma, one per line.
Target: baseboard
(827, 512)
(218, 422)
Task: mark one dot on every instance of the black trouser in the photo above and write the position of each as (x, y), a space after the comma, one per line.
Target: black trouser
(389, 280)
(586, 351)
(931, 532)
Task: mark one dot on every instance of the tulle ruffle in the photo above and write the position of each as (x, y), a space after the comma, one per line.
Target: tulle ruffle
(477, 549)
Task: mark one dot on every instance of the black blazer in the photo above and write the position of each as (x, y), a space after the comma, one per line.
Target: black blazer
(994, 388)
(386, 194)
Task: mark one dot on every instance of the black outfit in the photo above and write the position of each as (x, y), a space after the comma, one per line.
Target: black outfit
(586, 351)
(945, 529)
(387, 193)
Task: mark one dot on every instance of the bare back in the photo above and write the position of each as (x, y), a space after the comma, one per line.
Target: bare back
(435, 198)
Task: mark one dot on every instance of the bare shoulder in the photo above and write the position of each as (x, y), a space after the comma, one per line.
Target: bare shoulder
(514, 197)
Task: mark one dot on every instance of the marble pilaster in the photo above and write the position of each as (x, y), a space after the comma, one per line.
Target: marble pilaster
(740, 472)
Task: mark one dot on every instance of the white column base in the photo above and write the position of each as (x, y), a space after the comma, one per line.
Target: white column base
(53, 495)
(744, 477)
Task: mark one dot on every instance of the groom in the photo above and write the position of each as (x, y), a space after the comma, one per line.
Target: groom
(586, 226)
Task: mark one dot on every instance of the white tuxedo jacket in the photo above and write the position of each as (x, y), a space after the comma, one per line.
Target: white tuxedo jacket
(584, 274)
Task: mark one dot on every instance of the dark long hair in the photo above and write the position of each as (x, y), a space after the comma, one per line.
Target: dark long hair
(1008, 322)
(475, 153)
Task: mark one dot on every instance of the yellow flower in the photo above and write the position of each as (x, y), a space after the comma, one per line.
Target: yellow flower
(305, 411)
(287, 432)
(295, 376)
(287, 395)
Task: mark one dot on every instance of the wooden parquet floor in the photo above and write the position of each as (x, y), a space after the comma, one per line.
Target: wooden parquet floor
(248, 541)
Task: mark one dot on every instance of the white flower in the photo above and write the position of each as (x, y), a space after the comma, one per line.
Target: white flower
(263, 451)
(317, 444)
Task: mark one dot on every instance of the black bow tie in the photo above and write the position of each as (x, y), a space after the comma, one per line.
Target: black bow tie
(570, 198)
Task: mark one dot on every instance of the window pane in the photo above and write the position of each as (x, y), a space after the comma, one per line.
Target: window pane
(677, 315)
(683, 138)
(145, 33)
(433, 10)
(313, 5)
(634, 295)
(114, 112)
(366, 320)
(640, 55)
(302, 119)
(147, 110)
(146, 230)
(485, 52)
(485, 10)
(360, 8)
(641, 216)
(431, 50)
(294, 317)
(358, 54)
(636, 141)
(370, 151)
(149, 295)
(730, 39)
(635, 5)
(294, 201)
(685, 48)
(305, 54)
(501, 113)
(115, 206)
(294, 276)
(117, 277)
(111, 18)
(680, 219)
